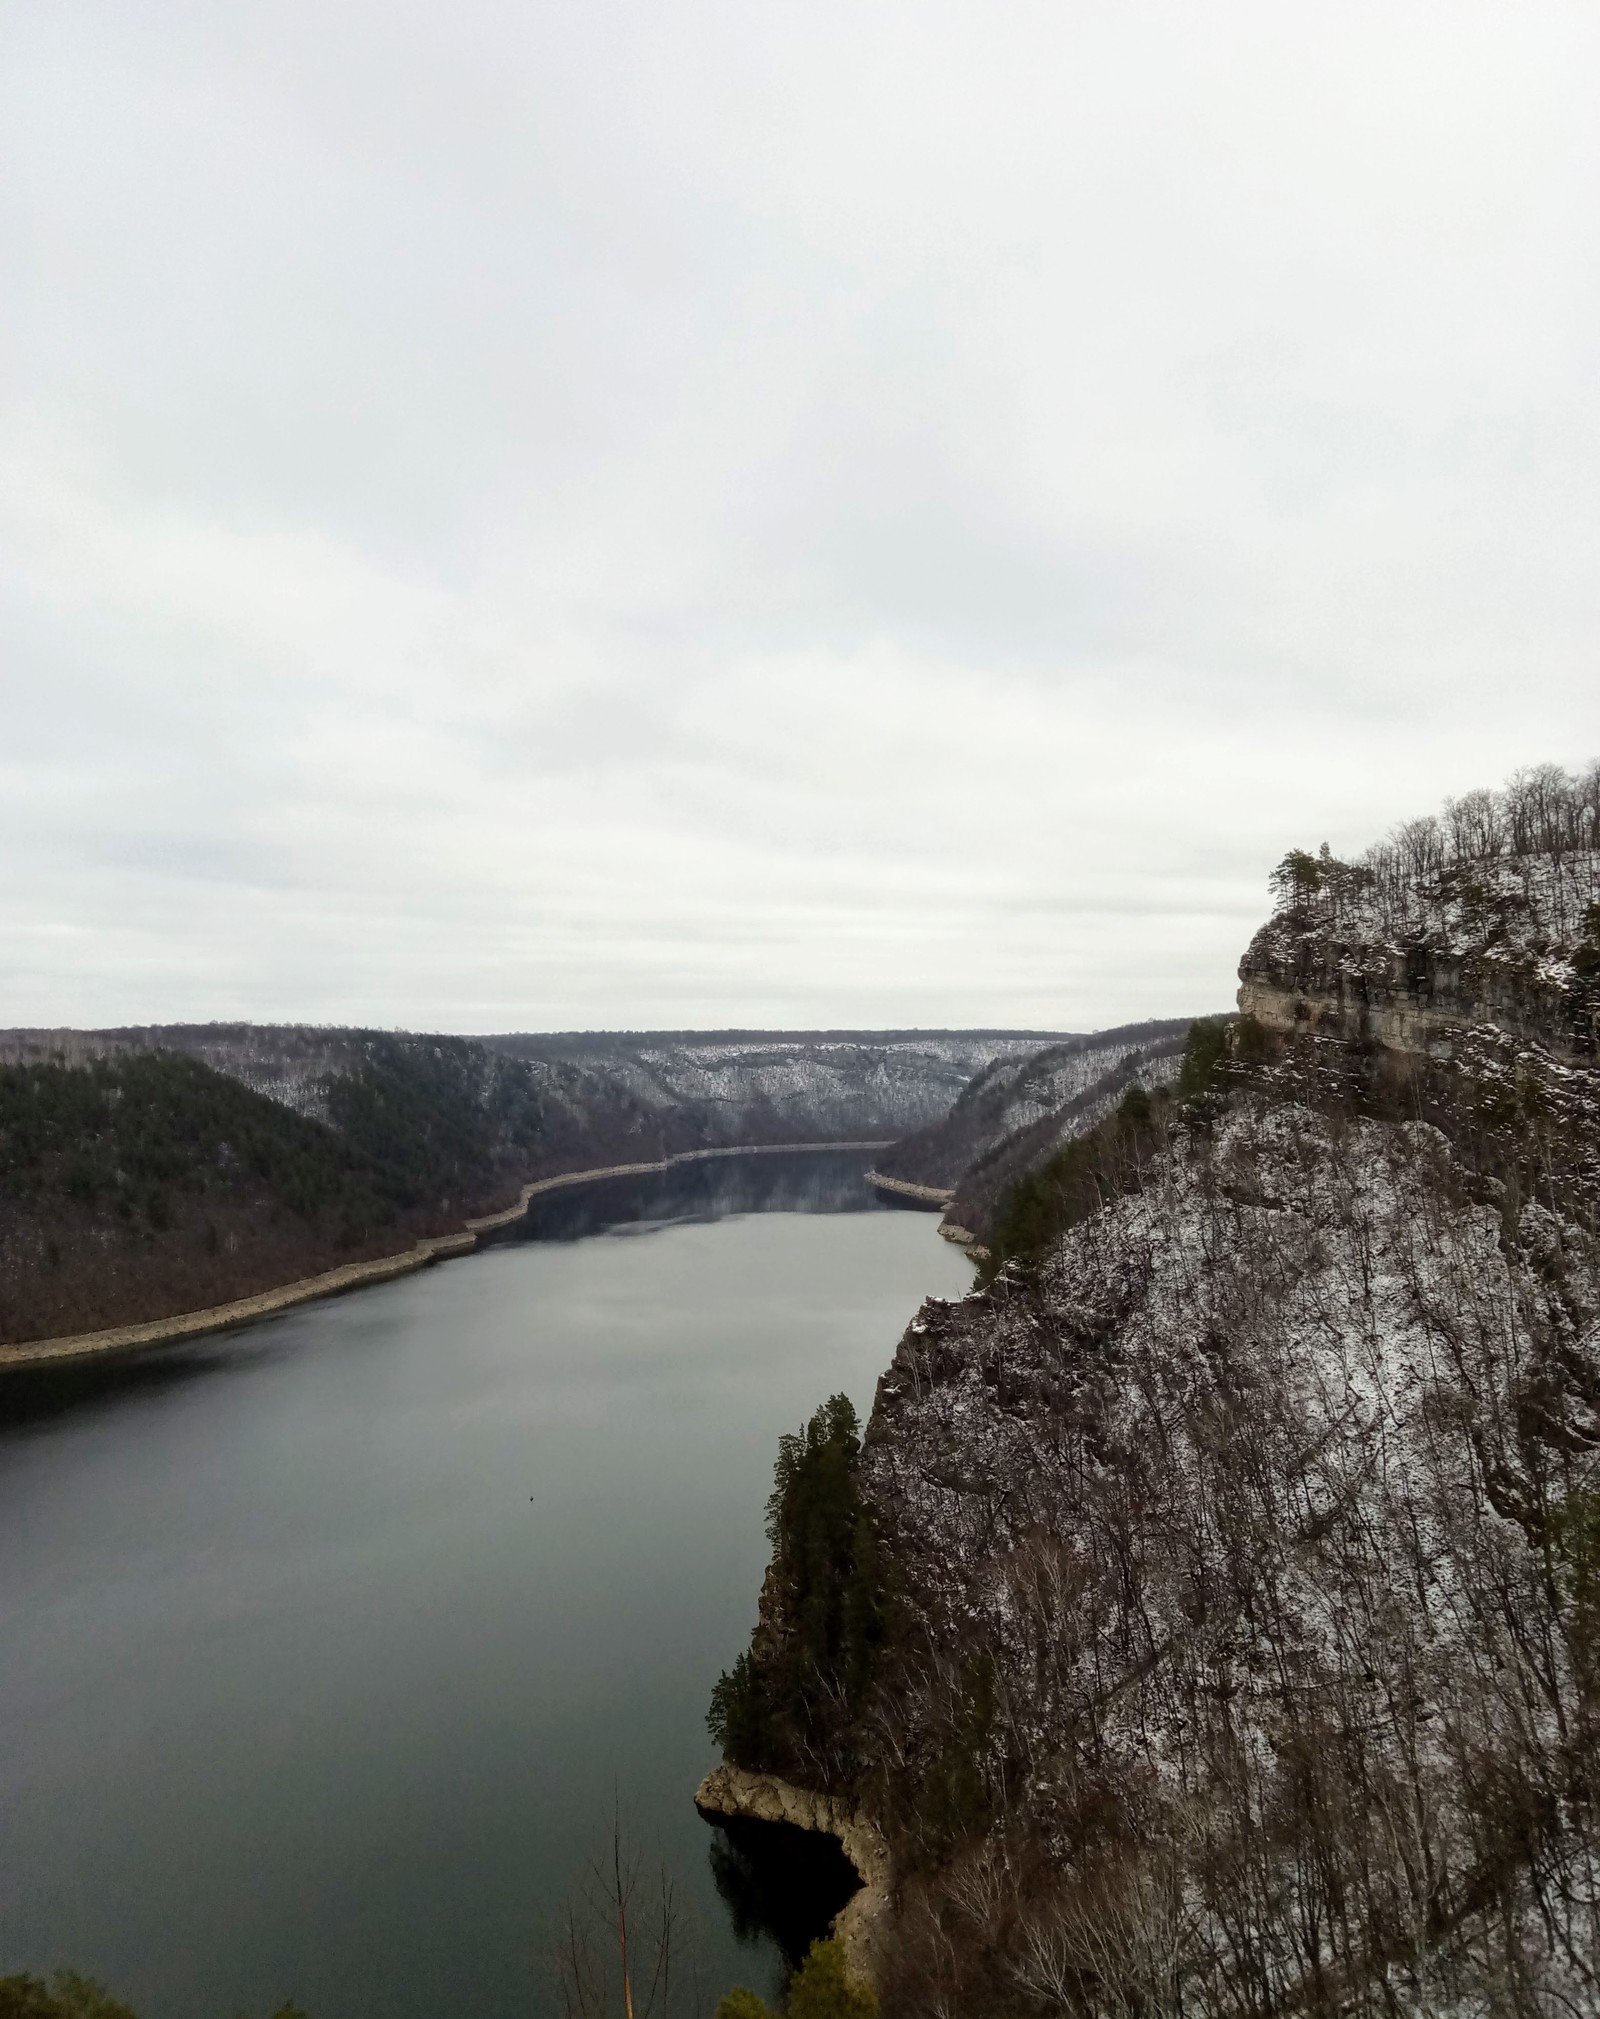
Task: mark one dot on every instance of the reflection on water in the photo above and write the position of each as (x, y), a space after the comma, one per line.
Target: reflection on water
(711, 1188)
(326, 1645)
(781, 1882)
(702, 1191)
(35, 1394)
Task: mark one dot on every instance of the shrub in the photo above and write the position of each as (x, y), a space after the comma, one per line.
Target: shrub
(743, 2004)
(824, 1989)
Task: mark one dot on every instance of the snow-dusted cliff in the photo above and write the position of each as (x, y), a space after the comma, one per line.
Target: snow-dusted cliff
(1036, 1096)
(1249, 1545)
(1488, 915)
(1241, 1634)
(777, 1086)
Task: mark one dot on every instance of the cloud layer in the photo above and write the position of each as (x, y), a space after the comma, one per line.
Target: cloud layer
(555, 516)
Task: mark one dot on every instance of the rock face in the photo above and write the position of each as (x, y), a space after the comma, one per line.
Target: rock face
(1231, 1536)
(862, 1924)
(1245, 1548)
(1019, 1109)
(1402, 960)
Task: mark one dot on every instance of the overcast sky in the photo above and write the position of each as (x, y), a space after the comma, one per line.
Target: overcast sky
(529, 516)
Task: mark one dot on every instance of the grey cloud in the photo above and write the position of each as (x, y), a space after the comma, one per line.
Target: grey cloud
(527, 516)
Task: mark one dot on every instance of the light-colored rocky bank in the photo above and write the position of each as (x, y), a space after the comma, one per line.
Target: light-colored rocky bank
(861, 1925)
(931, 1195)
(358, 1275)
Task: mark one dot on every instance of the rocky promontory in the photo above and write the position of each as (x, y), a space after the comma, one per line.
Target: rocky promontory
(730, 1794)
(1487, 915)
(1216, 1623)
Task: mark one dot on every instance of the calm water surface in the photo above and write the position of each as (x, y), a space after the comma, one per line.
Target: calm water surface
(324, 1645)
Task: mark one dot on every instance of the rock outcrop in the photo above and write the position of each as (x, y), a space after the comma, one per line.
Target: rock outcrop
(862, 1925)
(1402, 957)
(1244, 1653)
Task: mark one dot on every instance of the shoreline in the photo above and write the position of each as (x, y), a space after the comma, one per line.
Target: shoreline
(422, 1254)
(862, 1923)
(930, 1195)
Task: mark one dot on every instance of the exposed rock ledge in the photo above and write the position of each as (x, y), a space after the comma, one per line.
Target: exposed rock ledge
(861, 1923)
(933, 1195)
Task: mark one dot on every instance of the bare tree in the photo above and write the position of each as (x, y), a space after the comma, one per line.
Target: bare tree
(622, 1941)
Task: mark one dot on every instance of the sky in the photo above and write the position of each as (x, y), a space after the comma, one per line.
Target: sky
(687, 515)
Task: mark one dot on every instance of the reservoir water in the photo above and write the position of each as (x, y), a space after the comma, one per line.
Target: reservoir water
(327, 1646)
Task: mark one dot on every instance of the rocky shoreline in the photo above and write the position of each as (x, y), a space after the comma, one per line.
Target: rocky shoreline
(903, 1188)
(861, 1925)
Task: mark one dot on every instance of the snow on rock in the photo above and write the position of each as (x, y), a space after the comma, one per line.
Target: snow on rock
(1248, 1502)
(1019, 1108)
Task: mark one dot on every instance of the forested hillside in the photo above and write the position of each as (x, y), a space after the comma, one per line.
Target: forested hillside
(1209, 1612)
(143, 1183)
(779, 1086)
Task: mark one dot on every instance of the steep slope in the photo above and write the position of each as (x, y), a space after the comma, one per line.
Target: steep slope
(146, 1184)
(1220, 1616)
(1254, 1541)
(753, 1086)
(999, 1165)
(1030, 1101)
(676, 1089)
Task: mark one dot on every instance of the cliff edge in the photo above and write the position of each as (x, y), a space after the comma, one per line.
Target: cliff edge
(1218, 1618)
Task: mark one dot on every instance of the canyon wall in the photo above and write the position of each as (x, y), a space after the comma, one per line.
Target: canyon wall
(1236, 1553)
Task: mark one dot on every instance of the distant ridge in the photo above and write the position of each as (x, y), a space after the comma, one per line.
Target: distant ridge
(150, 1171)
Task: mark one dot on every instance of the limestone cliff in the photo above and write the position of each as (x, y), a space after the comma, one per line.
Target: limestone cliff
(1242, 1554)
(1446, 926)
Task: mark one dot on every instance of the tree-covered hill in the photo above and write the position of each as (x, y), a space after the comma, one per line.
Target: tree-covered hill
(143, 1182)
(147, 1184)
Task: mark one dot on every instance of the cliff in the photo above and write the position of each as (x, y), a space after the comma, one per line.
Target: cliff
(1022, 1094)
(1489, 916)
(1236, 1561)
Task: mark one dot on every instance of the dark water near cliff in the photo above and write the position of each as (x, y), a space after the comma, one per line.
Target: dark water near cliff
(324, 1645)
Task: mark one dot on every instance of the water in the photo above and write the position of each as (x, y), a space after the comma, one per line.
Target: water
(325, 1646)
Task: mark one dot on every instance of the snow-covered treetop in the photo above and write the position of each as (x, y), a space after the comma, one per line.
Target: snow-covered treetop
(1518, 868)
